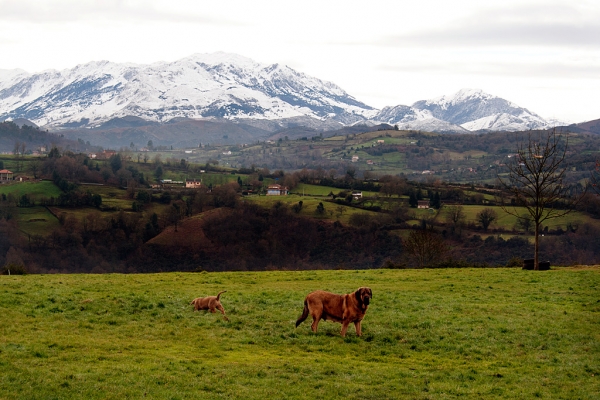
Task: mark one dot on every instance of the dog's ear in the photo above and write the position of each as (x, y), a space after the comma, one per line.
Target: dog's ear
(357, 295)
(370, 292)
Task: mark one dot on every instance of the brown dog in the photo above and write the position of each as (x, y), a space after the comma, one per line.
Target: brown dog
(343, 308)
(210, 303)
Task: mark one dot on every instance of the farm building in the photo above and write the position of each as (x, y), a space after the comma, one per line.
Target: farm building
(6, 175)
(193, 183)
(277, 190)
(423, 204)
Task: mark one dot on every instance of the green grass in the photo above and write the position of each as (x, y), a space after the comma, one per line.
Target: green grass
(309, 206)
(508, 221)
(35, 190)
(429, 334)
(36, 221)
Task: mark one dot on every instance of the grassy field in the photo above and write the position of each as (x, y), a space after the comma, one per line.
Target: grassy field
(36, 221)
(428, 334)
(317, 190)
(36, 190)
(334, 212)
(508, 221)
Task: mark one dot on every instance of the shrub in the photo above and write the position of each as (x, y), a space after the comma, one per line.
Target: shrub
(515, 262)
(13, 269)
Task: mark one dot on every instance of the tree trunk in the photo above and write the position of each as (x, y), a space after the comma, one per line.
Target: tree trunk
(536, 265)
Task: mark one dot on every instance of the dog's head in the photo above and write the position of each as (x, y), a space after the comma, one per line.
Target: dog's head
(364, 295)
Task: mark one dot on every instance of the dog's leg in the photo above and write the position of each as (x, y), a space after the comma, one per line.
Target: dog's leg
(345, 324)
(315, 325)
(316, 311)
(358, 328)
(220, 307)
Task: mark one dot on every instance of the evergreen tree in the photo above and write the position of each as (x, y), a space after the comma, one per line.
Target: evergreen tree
(436, 201)
(412, 200)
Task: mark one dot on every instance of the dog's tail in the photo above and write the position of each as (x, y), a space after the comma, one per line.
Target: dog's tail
(219, 295)
(304, 314)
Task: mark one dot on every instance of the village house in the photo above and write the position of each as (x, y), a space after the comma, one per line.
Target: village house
(380, 141)
(106, 154)
(193, 183)
(357, 195)
(354, 158)
(422, 204)
(6, 175)
(276, 190)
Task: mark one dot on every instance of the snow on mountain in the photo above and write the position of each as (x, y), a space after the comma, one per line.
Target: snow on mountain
(203, 85)
(474, 109)
(466, 110)
(411, 118)
(233, 87)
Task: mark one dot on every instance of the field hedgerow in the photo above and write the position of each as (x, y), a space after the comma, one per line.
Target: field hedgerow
(471, 333)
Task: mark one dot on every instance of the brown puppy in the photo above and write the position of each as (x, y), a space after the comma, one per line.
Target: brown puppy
(343, 308)
(210, 303)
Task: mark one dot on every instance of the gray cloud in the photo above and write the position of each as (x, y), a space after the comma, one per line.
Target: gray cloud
(547, 70)
(560, 26)
(56, 11)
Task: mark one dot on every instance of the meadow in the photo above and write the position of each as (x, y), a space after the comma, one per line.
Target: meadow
(428, 334)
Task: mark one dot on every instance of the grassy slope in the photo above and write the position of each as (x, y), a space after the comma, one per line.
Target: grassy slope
(428, 334)
(36, 190)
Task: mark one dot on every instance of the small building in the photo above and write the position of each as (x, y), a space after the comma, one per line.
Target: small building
(170, 182)
(6, 175)
(369, 162)
(422, 204)
(277, 190)
(193, 183)
(380, 141)
(357, 195)
(106, 154)
(354, 158)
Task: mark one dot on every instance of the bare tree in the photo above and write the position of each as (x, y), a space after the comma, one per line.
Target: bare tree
(424, 246)
(524, 222)
(456, 217)
(536, 181)
(486, 217)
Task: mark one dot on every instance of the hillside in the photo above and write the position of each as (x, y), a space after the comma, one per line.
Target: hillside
(589, 127)
(29, 138)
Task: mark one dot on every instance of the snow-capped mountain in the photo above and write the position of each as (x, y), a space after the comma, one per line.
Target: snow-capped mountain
(466, 110)
(204, 85)
(235, 88)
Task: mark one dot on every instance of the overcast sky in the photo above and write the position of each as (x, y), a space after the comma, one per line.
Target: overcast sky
(540, 54)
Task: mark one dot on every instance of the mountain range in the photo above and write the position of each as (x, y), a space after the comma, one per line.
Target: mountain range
(228, 89)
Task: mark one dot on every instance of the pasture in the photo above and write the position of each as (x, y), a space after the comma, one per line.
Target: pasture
(35, 189)
(428, 334)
